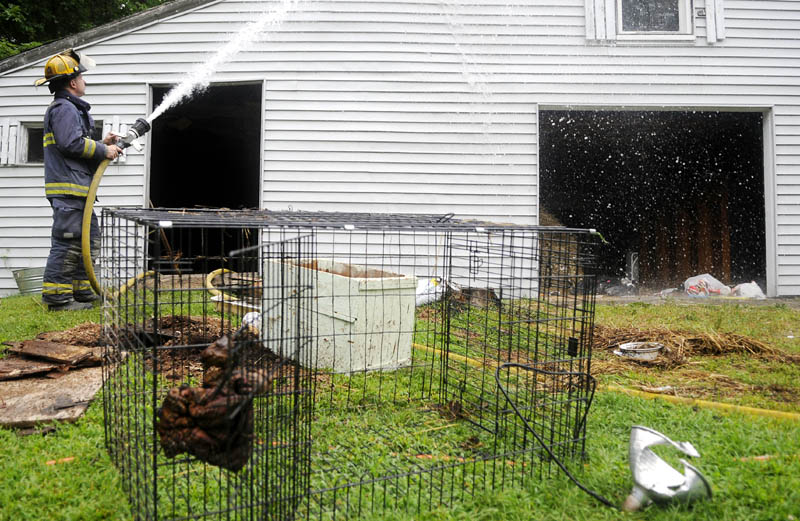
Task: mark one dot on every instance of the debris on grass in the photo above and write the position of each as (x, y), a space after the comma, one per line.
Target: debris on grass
(38, 357)
(768, 457)
(29, 402)
(675, 372)
(39, 429)
(680, 345)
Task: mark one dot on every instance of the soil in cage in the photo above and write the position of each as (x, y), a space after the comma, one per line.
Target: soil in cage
(185, 337)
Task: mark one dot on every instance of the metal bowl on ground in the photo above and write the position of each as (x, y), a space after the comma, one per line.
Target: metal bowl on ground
(639, 350)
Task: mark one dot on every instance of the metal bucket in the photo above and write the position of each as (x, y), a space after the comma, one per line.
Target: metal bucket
(29, 280)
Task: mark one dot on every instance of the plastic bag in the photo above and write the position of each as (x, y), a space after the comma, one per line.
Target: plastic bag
(429, 290)
(749, 290)
(704, 286)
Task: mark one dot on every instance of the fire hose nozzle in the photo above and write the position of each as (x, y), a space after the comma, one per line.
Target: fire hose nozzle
(137, 130)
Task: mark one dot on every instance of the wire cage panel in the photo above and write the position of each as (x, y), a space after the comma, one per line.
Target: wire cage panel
(413, 361)
(205, 419)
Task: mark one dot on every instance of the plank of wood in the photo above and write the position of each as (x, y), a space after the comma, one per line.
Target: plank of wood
(24, 403)
(12, 367)
(60, 353)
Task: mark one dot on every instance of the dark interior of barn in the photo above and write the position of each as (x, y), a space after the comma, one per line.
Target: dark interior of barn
(675, 194)
(205, 152)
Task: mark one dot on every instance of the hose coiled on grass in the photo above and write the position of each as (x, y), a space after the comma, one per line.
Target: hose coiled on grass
(592, 383)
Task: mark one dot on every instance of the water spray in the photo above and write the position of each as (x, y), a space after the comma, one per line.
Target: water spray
(199, 78)
(196, 80)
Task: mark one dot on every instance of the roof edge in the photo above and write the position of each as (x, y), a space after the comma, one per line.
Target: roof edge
(101, 32)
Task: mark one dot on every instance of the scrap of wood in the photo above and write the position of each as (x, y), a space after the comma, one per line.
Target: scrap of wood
(13, 367)
(54, 352)
(58, 372)
(768, 457)
(60, 460)
(40, 429)
(25, 403)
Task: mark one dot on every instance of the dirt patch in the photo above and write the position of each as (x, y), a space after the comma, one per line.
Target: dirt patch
(188, 330)
(181, 340)
(428, 313)
(781, 393)
(188, 335)
(87, 334)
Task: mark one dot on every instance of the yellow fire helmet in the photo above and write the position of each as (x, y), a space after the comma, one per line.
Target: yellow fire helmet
(66, 64)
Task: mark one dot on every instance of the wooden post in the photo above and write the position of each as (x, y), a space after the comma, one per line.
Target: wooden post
(662, 251)
(683, 246)
(705, 255)
(645, 252)
(725, 239)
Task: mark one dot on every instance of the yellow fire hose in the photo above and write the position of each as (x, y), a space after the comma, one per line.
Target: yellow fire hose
(213, 290)
(727, 407)
(86, 241)
(138, 129)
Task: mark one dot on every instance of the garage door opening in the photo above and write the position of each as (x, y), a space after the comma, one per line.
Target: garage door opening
(676, 194)
(205, 153)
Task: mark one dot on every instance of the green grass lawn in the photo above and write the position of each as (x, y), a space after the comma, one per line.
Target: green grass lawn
(88, 486)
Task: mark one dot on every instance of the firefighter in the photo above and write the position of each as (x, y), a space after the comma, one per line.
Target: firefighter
(70, 158)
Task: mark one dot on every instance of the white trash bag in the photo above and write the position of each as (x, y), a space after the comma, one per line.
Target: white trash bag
(749, 290)
(704, 286)
(430, 290)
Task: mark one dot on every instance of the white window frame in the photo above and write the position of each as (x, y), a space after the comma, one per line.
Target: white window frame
(604, 17)
(22, 142)
(23, 136)
(685, 31)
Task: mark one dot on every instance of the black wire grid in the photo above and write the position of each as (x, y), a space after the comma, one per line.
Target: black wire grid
(393, 362)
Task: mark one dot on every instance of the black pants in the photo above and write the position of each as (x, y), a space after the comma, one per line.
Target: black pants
(65, 278)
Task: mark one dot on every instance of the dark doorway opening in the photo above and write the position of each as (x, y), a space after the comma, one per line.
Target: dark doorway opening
(676, 194)
(205, 152)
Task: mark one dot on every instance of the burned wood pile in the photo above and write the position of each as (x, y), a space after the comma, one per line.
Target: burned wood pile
(41, 357)
(53, 377)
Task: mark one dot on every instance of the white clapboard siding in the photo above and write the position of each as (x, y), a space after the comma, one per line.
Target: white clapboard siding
(428, 106)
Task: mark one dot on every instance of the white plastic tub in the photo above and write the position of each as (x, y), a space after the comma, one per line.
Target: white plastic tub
(362, 319)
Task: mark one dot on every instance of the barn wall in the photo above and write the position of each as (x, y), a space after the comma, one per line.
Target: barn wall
(424, 106)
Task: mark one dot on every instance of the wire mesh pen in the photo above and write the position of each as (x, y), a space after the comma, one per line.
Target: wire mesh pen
(281, 365)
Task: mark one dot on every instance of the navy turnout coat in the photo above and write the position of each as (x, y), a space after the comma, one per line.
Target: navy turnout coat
(70, 154)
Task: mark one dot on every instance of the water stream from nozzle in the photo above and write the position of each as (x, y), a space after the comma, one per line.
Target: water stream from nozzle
(199, 78)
